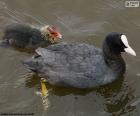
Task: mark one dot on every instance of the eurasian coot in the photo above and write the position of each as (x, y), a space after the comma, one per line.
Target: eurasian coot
(25, 36)
(81, 65)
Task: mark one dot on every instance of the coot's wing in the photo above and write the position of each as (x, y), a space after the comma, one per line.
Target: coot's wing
(71, 64)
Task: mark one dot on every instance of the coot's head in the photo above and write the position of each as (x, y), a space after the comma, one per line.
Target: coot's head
(118, 43)
(51, 33)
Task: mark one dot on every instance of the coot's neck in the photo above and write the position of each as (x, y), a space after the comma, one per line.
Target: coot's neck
(113, 60)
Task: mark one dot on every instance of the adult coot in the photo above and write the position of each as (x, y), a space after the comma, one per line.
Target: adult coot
(82, 65)
(25, 36)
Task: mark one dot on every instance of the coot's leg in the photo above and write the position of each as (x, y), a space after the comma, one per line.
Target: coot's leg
(44, 93)
(44, 89)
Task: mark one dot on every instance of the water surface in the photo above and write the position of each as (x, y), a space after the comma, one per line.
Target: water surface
(80, 21)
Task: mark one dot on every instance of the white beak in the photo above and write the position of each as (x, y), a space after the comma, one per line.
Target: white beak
(128, 49)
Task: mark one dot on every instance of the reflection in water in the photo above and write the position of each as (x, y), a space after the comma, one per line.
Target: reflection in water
(45, 101)
(85, 21)
(35, 81)
(9, 16)
(117, 95)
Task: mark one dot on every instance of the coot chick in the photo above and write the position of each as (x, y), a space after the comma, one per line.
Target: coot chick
(28, 37)
(82, 65)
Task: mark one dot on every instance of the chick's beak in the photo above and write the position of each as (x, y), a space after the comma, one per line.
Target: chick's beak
(59, 35)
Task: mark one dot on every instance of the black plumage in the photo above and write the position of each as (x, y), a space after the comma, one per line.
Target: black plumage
(80, 65)
(25, 36)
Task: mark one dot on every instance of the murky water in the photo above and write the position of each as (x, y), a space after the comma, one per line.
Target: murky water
(79, 20)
